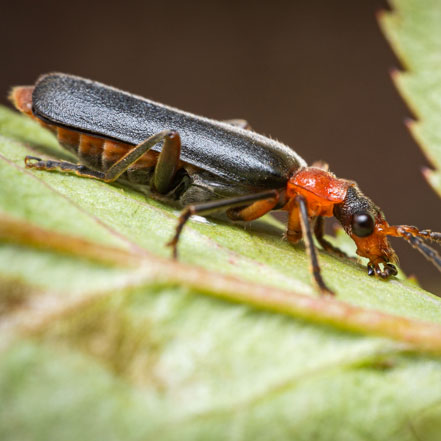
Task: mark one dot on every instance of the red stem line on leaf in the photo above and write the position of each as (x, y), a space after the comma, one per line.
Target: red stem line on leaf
(422, 336)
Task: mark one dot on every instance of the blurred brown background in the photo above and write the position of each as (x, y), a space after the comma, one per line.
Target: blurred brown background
(313, 74)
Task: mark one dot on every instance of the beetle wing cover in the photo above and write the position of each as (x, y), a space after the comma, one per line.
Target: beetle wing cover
(226, 151)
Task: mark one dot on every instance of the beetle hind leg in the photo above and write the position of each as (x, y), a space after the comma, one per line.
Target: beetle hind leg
(165, 168)
(168, 162)
(63, 166)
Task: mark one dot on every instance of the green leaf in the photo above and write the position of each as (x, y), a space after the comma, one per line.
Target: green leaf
(104, 337)
(414, 31)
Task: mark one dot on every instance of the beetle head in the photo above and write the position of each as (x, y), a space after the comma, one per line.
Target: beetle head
(368, 228)
(365, 223)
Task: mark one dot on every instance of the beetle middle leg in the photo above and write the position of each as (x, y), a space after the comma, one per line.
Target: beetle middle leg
(248, 201)
(253, 211)
(165, 168)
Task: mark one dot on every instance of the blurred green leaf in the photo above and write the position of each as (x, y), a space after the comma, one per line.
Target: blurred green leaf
(414, 31)
(103, 337)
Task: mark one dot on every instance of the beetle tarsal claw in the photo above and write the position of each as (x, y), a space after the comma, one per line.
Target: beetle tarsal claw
(327, 292)
(173, 244)
(30, 161)
(391, 269)
(388, 270)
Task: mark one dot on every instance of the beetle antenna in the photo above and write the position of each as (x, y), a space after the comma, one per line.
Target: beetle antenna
(430, 235)
(404, 230)
(428, 252)
(416, 238)
(433, 236)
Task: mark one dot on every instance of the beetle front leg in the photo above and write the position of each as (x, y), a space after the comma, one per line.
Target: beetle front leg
(309, 244)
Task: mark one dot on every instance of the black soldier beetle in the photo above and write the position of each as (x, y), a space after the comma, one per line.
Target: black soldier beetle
(205, 166)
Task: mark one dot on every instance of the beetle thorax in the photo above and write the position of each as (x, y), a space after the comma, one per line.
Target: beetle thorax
(321, 189)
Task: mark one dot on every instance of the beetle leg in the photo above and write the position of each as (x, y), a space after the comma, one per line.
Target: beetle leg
(327, 246)
(217, 205)
(63, 166)
(165, 168)
(241, 123)
(167, 165)
(294, 231)
(171, 146)
(309, 244)
(253, 211)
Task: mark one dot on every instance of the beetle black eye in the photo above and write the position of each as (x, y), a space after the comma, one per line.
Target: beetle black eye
(363, 224)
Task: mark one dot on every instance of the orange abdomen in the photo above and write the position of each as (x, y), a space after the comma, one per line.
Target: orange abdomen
(97, 153)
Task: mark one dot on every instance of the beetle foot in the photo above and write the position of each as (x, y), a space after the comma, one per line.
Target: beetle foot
(324, 290)
(31, 161)
(388, 270)
(174, 246)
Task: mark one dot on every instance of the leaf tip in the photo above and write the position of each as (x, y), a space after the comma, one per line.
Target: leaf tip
(383, 16)
(380, 13)
(427, 172)
(409, 123)
(394, 73)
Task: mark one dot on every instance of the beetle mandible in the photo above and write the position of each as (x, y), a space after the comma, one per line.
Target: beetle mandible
(204, 166)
